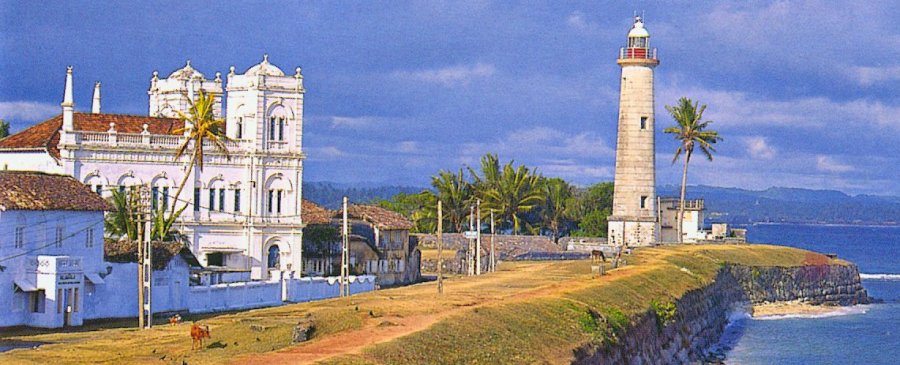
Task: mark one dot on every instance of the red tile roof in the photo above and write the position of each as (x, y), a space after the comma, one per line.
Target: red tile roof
(380, 217)
(26, 190)
(315, 214)
(45, 135)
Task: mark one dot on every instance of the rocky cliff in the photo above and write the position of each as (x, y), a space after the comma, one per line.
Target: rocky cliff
(661, 336)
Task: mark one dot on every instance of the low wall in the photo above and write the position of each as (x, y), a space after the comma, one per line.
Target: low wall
(117, 296)
(234, 296)
(315, 288)
(702, 314)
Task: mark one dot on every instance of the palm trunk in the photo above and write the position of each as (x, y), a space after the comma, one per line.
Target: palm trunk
(187, 175)
(680, 220)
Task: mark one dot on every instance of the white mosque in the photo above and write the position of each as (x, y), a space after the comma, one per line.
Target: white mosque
(243, 213)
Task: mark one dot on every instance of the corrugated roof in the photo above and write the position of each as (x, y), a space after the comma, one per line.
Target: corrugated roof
(45, 135)
(27, 190)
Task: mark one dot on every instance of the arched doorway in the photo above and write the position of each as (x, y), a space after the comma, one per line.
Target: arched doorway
(273, 258)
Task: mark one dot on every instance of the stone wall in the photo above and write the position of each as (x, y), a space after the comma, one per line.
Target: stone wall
(702, 314)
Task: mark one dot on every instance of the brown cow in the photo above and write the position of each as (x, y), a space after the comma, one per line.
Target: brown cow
(197, 336)
(173, 320)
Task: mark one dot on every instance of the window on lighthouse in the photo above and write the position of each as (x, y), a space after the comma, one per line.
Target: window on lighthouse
(643, 122)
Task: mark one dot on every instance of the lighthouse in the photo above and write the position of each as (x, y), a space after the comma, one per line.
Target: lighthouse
(634, 215)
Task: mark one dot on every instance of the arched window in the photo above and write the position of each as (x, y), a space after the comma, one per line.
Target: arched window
(239, 128)
(274, 259)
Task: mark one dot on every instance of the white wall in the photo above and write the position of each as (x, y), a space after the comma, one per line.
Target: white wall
(315, 288)
(233, 296)
(117, 297)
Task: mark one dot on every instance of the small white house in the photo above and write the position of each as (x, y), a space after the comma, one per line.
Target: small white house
(51, 248)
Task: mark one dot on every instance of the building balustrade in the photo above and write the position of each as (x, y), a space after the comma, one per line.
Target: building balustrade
(113, 138)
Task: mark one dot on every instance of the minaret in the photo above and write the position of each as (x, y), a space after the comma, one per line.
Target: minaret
(68, 103)
(95, 107)
(634, 217)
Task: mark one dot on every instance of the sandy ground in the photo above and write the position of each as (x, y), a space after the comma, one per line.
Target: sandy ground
(790, 308)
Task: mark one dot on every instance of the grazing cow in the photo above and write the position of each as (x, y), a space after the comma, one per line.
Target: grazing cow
(597, 256)
(197, 336)
(173, 320)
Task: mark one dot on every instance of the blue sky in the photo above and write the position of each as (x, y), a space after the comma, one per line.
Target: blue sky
(805, 93)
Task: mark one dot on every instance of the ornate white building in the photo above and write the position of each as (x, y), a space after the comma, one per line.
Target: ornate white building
(243, 213)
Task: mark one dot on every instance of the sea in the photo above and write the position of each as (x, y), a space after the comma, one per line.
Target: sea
(865, 334)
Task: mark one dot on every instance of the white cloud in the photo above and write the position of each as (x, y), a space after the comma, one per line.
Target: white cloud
(758, 147)
(868, 76)
(829, 164)
(577, 20)
(408, 147)
(450, 76)
(325, 153)
(27, 110)
(739, 109)
(351, 122)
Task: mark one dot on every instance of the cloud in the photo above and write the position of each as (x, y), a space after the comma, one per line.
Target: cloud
(730, 109)
(325, 153)
(27, 110)
(351, 122)
(450, 76)
(868, 76)
(828, 164)
(408, 147)
(758, 147)
(577, 21)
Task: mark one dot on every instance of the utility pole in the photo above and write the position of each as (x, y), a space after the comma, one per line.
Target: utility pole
(493, 259)
(440, 244)
(139, 229)
(146, 261)
(345, 255)
(470, 250)
(478, 238)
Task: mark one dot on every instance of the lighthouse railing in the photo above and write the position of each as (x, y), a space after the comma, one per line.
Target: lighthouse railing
(637, 53)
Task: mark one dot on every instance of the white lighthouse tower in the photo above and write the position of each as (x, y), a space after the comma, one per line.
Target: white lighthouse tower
(634, 218)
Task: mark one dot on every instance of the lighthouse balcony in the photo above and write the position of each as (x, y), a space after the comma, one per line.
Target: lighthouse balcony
(637, 53)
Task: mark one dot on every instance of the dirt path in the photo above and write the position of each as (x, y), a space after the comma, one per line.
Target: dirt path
(389, 328)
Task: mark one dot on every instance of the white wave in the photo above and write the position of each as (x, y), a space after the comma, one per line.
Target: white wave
(879, 276)
(838, 311)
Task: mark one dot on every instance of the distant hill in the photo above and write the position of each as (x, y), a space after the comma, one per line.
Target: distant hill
(729, 205)
(794, 205)
(329, 194)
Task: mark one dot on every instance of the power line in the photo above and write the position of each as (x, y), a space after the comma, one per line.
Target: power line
(73, 234)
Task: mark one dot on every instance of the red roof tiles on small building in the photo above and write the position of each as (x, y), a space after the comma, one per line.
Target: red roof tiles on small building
(25, 190)
(312, 213)
(45, 135)
(380, 217)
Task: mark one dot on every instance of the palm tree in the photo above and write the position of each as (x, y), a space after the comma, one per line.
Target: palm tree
(202, 128)
(122, 223)
(517, 192)
(691, 132)
(455, 193)
(558, 202)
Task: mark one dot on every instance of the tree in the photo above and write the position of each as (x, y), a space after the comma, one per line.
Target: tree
(455, 193)
(691, 132)
(4, 129)
(122, 223)
(419, 208)
(554, 211)
(517, 192)
(202, 128)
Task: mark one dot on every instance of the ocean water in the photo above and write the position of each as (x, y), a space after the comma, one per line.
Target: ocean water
(867, 334)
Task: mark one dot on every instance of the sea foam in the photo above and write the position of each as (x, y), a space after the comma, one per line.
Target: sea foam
(838, 311)
(879, 276)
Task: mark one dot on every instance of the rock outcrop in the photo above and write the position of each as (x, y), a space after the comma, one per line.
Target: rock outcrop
(702, 314)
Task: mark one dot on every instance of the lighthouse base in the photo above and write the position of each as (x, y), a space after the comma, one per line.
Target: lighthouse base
(632, 231)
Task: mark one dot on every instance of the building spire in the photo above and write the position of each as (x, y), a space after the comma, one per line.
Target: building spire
(95, 107)
(68, 104)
